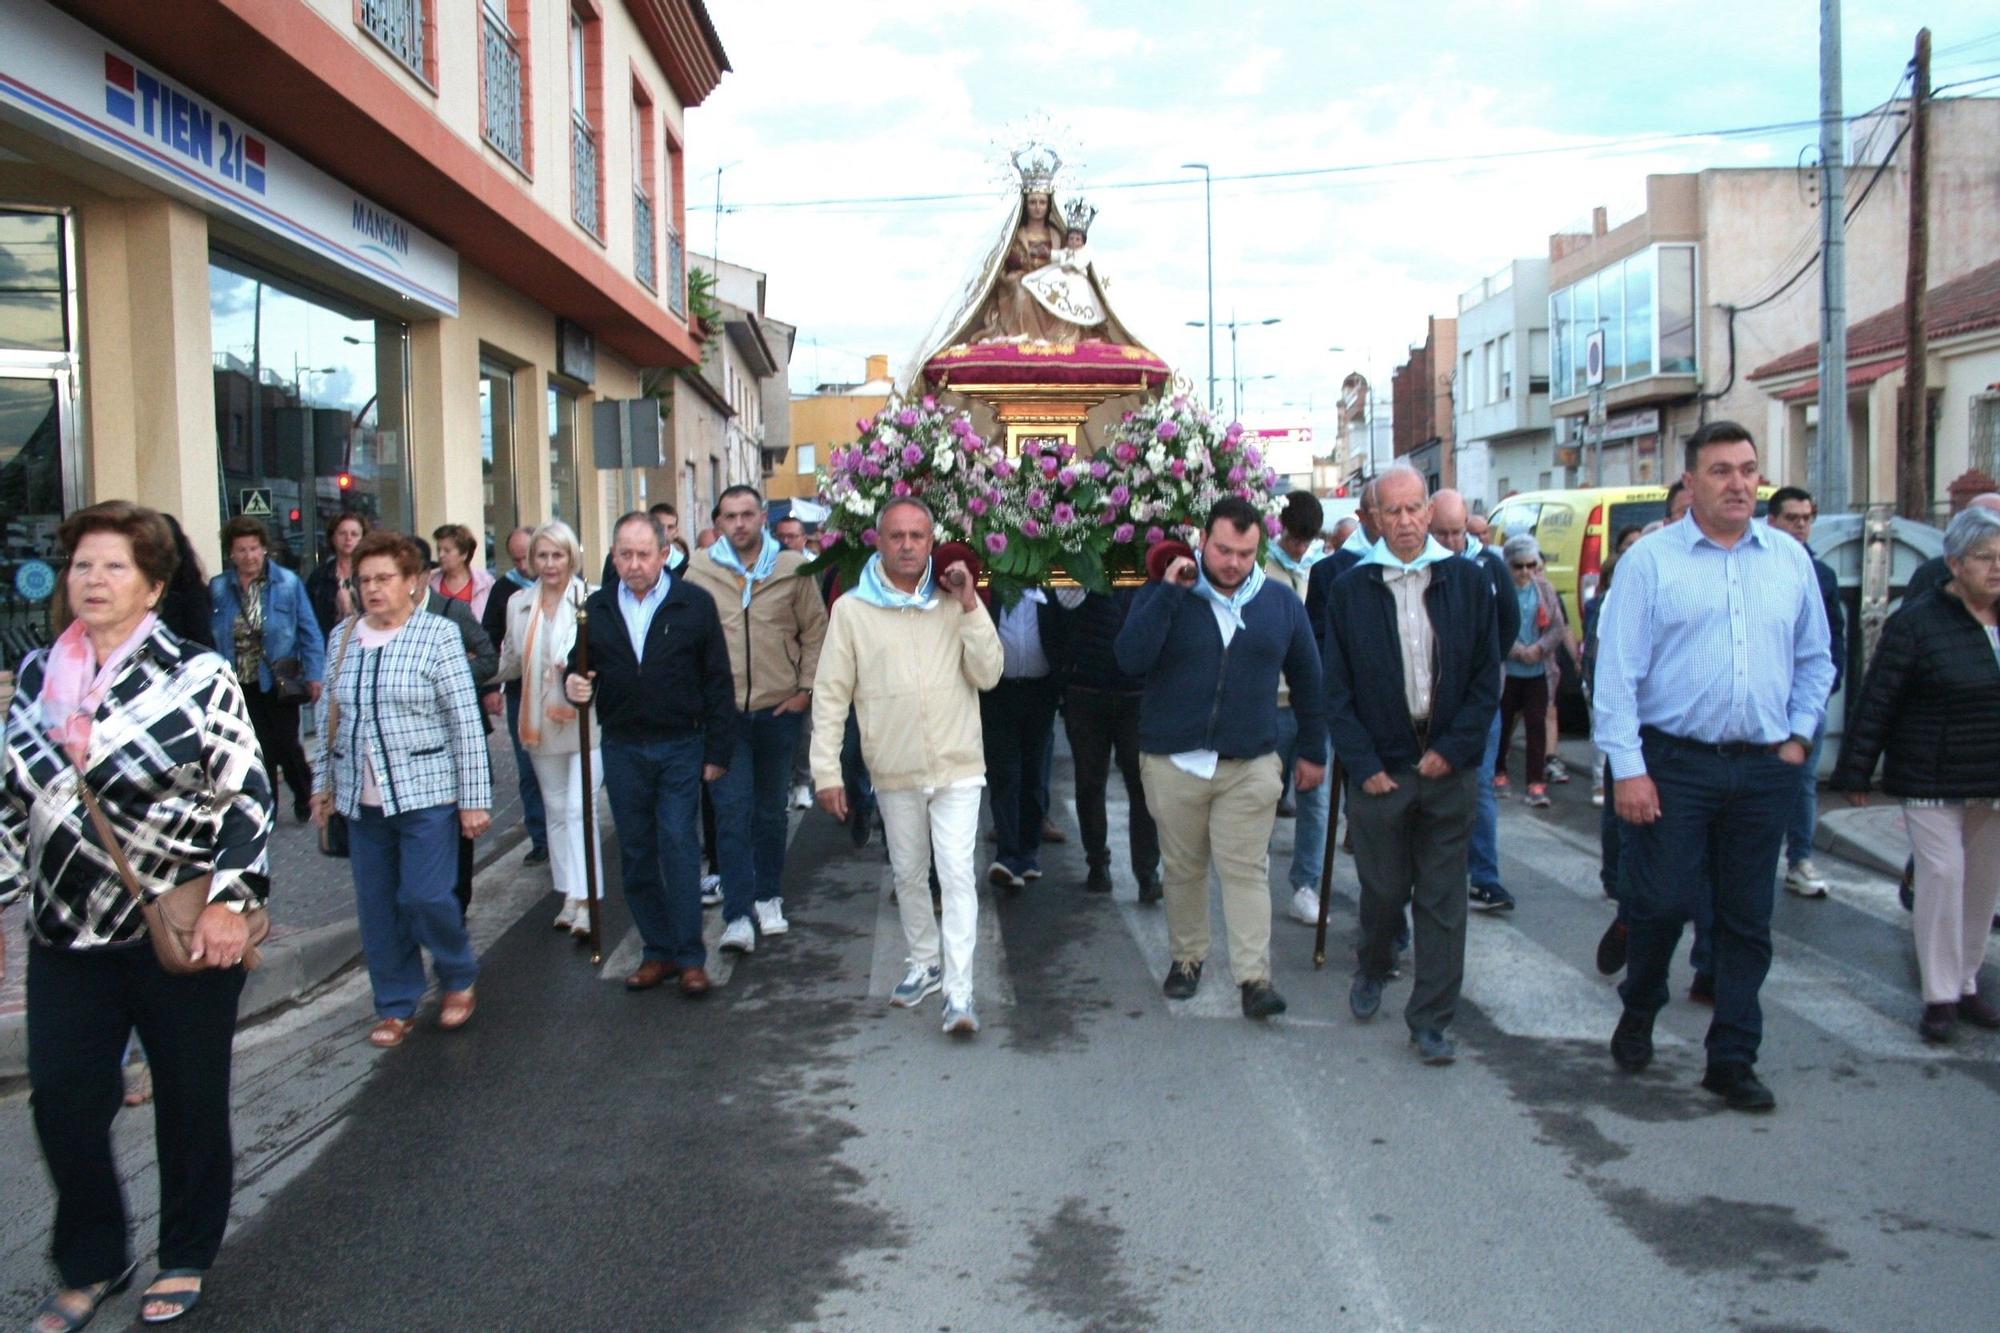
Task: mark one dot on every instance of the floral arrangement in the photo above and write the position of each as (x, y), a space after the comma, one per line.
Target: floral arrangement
(915, 449)
(1053, 512)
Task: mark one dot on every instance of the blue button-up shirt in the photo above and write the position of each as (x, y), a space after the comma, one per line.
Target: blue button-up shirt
(1710, 643)
(638, 611)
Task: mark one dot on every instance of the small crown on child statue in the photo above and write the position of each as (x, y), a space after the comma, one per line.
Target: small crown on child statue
(1038, 164)
(1078, 214)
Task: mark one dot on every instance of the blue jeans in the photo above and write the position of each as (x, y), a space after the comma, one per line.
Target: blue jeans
(534, 816)
(1805, 814)
(1714, 848)
(1309, 830)
(750, 802)
(404, 868)
(1482, 854)
(1611, 871)
(655, 789)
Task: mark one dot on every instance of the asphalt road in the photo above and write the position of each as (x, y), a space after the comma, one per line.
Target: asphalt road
(792, 1152)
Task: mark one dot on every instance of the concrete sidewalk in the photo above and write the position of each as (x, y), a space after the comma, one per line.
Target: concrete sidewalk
(313, 932)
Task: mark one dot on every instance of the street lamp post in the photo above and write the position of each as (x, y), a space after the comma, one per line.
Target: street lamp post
(1235, 378)
(1208, 211)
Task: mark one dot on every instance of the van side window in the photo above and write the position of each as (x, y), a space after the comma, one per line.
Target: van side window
(1514, 518)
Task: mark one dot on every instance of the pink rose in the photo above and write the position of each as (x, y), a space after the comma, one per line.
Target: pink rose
(1003, 468)
(977, 506)
(1128, 416)
(1125, 453)
(1063, 515)
(996, 542)
(1066, 451)
(860, 426)
(1048, 466)
(1252, 457)
(1123, 533)
(1154, 536)
(867, 536)
(828, 540)
(930, 403)
(1030, 528)
(907, 417)
(900, 489)
(1121, 494)
(912, 455)
(870, 468)
(1167, 430)
(1038, 499)
(1099, 469)
(1271, 525)
(1067, 477)
(1178, 467)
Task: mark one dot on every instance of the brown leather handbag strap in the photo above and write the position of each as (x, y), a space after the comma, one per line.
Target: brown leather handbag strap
(333, 694)
(108, 836)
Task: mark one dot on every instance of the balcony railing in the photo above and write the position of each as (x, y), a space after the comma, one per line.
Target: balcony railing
(501, 122)
(398, 25)
(583, 175)
(677, 300)
(642, 238)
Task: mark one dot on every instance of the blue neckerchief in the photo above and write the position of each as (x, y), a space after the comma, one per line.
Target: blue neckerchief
(1314, 554)
(519, 579)
(874, 588)
(1357, 541)
(1473, 547)
(722, 553)
(1233, 606)
(1379, 554)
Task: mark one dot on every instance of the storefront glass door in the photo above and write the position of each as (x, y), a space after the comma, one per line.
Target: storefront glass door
(496, 459)
(37, 420)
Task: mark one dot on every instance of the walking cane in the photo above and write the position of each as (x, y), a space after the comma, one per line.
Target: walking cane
(589, 804)
(1333, 777)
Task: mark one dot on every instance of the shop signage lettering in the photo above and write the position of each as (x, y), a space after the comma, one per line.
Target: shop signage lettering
(184, 123)
(380, 228)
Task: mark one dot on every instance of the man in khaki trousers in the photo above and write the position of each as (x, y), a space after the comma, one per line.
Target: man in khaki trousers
(1210, 641)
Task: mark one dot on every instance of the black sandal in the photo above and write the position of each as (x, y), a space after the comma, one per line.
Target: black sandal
(51, 1308)
(181, 1301)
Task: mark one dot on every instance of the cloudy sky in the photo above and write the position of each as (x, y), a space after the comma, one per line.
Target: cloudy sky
(860, 104)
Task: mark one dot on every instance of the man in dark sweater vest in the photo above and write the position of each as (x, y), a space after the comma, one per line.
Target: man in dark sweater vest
(1412, 681)
(659, 671)
(1210, 640)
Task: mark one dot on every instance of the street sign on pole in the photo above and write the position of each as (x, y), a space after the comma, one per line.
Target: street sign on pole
(1593, 359)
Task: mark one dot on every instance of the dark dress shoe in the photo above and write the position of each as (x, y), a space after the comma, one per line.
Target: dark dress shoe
(1053, 834)
(1364, 997)
(1611, 949)
(1739, 1087)
(1098, 881)
(694, 981)
(1632, 1042)
(1979, 1011)
(1183, 980)
(1702, 989)
(1150, 890)
(537, 856)
(651, 973)
(1938, 1021)
(1261, 1000)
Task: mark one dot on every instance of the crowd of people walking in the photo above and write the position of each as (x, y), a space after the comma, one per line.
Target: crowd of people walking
(1377, 670)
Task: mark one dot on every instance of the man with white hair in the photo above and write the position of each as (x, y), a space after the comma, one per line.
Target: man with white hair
(1411, 659)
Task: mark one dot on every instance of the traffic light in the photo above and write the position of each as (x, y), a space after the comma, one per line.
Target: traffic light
(345, 481)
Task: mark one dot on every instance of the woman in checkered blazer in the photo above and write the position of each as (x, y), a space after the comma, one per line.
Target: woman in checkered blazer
(402, 757)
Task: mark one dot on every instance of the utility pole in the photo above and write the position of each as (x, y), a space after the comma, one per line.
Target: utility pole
(1831, 482)
(1208, 216)
(1913, 479)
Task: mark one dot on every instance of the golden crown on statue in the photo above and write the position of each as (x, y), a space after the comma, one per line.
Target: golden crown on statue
(1078, 214)
(1038, 165)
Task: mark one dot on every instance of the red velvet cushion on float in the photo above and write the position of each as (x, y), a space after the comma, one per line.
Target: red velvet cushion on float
(1085, 363)
(1162, 555)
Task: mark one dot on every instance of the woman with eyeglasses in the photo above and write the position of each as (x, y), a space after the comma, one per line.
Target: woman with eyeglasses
(1524, 693)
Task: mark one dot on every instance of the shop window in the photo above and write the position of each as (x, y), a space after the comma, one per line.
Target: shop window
(34, 306)
(496, 453)
(565, 500)
(310, 406)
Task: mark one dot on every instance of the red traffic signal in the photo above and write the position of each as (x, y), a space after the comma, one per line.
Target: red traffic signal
(345, 481)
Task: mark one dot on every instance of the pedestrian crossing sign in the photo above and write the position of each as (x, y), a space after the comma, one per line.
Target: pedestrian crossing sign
(254, 502)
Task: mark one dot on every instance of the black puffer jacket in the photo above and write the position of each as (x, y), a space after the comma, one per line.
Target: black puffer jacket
(1930, 704)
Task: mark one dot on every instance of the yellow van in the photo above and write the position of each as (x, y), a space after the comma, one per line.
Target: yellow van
(1578, 531)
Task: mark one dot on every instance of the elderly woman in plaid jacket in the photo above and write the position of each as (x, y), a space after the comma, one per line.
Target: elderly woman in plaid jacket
(402, 757)
(156, 730)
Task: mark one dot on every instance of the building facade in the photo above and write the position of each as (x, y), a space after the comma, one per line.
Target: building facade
(1422, 392)
(823, 420)
(731, 414)
(1500, 393)
(1719, 276)
(289, 258)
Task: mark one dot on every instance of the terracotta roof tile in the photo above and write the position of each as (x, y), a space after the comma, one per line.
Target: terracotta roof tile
(1962, 305)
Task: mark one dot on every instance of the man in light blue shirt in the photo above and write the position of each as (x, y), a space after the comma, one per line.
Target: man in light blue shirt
(1713, 671)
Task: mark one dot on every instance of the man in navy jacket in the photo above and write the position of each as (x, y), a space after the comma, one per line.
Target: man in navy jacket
(1412, 679)
(1209, 641)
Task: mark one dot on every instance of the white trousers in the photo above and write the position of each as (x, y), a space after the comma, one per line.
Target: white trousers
(561, 776)
(940, 822)
(1958, 881)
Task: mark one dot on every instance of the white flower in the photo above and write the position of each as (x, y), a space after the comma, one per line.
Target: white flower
(857, 503)
(942, 459)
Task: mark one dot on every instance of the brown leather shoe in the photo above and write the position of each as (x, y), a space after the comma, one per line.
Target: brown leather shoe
(694, 982)
(651, 973)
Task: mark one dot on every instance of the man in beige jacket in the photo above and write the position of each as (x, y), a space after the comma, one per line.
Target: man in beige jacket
(774, 622)
(911, 653)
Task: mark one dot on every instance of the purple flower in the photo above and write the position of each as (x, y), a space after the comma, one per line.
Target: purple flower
(1234, 431)
(1123, 533)
(1252, 457)
(867, 536)
(1125, 453)
(1048, 465)
(1063, 515)
(860, 425)
(1128, 416)
(1178, 467)
(870, 468)
(976, 506)
(912, 455)
(996, 542)
(1066, 451)
(1236, 475)
(1154, 536)
(1271, 525)
(900, 489)
(1067, 477)
(1030, 528)
(1004, 468)
(828, 540)
(930, 403)
(1167, 430)
(993, 495)
(1180, 402)
(907, 417)
(1121, 494)
(1270, 477)
(1099, 469)
(1038, 498)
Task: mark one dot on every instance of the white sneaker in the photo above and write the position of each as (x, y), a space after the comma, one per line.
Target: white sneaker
(959, 1017)
(579, 924)
(1305, 906)
(915, 985)
(1805, 881)
(771, 916)
(739, 936)
(567, 917)
(1597, 797)
(711, 890)
(802, 797)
